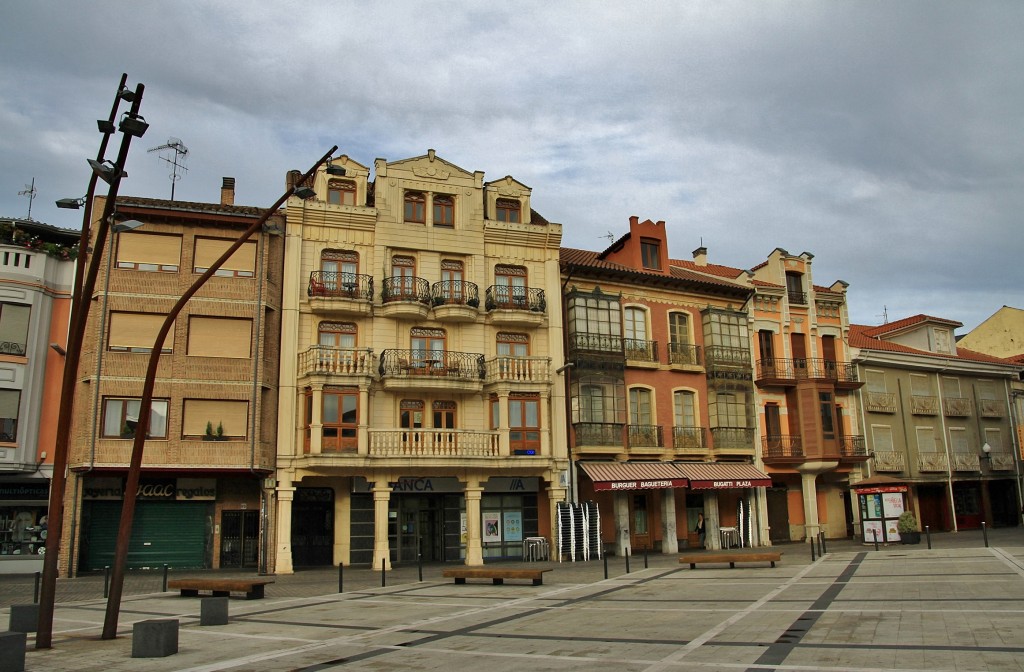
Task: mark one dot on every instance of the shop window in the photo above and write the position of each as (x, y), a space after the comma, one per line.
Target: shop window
(148, 252)
(219, 337)
(121, 416)
(241, 264)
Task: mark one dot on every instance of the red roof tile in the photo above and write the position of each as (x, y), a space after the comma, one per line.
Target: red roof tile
(573, 257)
(861, 336)
(889, 327)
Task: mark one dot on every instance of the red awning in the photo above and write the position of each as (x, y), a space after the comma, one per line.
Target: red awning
(879, 483)
(633, 475)
(723, 475)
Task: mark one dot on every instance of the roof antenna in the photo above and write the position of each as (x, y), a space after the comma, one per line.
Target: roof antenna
(884, 315)
(178, 162)
(610, 236)
(30, 191)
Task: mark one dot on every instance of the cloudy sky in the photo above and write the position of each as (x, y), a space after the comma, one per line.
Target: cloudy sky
(886, 138)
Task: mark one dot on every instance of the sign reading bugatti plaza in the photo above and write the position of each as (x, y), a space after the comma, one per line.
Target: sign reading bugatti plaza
(655, 475)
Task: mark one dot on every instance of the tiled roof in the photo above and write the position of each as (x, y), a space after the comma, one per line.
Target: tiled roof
(190, 206)
(861, 336)
(573, 257)
(889, 327)
(762, 283)
(710, 269)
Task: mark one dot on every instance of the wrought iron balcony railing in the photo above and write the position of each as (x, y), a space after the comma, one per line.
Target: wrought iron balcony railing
(508, 297)
(644, 436)
(586, 342)
(11, 348)
(688, 438)
(684, 354)
(407, 288)
(335, 285)
(922, 405)
(598, 434)
(639, 350)
(732, 437)
(455, 293)
(853, 445)
(442, 363)
(724, 356)
(797, 297)
(781, 446)
(806, 369)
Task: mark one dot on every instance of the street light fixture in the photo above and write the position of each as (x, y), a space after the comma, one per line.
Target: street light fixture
(305, 193)
(106, 126)
(107, 170)
(70, 203)
(134, 125)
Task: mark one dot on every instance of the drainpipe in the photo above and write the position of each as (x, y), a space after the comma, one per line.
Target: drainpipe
(945, 443)
(261, 562)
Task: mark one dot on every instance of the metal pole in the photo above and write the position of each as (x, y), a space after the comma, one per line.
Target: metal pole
(341, 577)
(627, 561)
(142, 428)
(645, 556)
(984, 533)
(383, 573)
(928, 536)
(875, 532)
(419, 562)
(35, 589)
(106, 581)
(163, 588)
(813, 558)
(81, 289)
(605, 556)
(824, 544)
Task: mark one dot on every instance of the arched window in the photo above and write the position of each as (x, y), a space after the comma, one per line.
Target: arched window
(507, 210)
(444, 210)
(415, 207)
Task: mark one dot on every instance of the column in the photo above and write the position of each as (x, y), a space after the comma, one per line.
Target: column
(316, 423)
(474, 543)
(713, 536)
(669, 533)
(362, 431)
(622, 541)
(283, 557)
(503, 443)
(381, 549)
(810, 495)
(556, 495)
(342, 526)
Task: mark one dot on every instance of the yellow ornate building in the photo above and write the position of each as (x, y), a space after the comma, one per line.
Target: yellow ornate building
(421, 410)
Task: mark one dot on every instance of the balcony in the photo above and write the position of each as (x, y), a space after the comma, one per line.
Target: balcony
(957, 407)
(1001, 461)
(598, 434)
(456, 443)
(455, 301)
(405, 298)
(924, 405)
(689, 441)
(336, 293)
(733, 440)
(787, 372)
(644, 436)
(722, 357)
(783, 448)
(853, 448)
(333, 363)
(505, 304)
(991, 408)
(889, 460)
(640, 351)
(932, 462)
(684, 354)
(191, 454)
(880, 402)
(798, 298)
(431, 370)
(966, 462)
(518, 370)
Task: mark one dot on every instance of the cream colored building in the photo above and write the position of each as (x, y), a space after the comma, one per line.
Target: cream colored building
(422, 413)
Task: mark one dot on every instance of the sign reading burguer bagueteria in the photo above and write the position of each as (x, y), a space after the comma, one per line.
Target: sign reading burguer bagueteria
(640, 485)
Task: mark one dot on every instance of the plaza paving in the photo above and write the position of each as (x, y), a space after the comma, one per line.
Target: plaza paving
(958, 606)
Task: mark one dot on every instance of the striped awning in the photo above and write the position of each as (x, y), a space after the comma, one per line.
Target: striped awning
(723, 475)
(633, 475)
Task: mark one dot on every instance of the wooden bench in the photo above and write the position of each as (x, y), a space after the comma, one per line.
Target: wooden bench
(497, 575)
(253, 588)
(732, 557)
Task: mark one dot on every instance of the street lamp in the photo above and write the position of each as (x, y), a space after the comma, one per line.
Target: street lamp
(131, 486)
(70, 203)
(84, 282)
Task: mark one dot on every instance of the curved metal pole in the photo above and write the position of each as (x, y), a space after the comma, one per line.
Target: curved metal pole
(79, 316)
(131, 487)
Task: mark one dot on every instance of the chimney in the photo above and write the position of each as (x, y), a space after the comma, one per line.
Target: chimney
(227, 191)
(700, 256)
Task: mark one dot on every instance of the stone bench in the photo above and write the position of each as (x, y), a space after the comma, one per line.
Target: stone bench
(253, 588)
(731, 557)
(496, 575)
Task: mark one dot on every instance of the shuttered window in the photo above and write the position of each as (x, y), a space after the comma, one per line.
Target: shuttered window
(241, 264)
(232, 415)
(148, 251)
(219, 337)
(926, 442)
(136, 332)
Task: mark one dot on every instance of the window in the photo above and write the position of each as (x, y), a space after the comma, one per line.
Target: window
(926, 442)
(137, 332)
(920, 386)
(881, 438)
(403, 270)
(10, 401)
(595, 321)
(148, 252)
(598, 399)
(795, 287)
(524, 423)
(679, 328)
(729, 410)
(510, 286)
(219, 337)
(411, 417)
(875, 381)
(443, 417)
(427, 348)
(636, 324)
(994, 438)
(640, 406)
(507, 210)
(14, 319)
(650, 253)
(341, 192)
(444, 211)
(958, 440)
(951, 388)
(338, 269)
(726, 329)
(773, 425)
(513, 345)
(337, 334)
(415, 207)
(121, 416)
(340, 418)
(231, 415)
(827, 410)
(241, 264)
(684, 408)
(452, 289)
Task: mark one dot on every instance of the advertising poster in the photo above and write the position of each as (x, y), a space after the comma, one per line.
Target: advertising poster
(463, 534)
(513, 526)
(873, 507)
(892, 503)
(492, 527)
(870, 528)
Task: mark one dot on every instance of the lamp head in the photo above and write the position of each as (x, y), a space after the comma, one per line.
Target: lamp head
(70, 203)
(106, 171)
(134, 125)
(335, 170)
(106, 126)
(305, 193)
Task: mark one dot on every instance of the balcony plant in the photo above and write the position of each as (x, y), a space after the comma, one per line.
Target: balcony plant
(908, 529)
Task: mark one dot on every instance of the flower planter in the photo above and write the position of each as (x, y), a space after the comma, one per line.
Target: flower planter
(910, 537)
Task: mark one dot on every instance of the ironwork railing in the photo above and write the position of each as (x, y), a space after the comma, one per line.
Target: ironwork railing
(732, 437)
(336, 285)
(11, 348)
(587, 342)
(853, 445)
(958, 407)
(644, 436)
(518, 369)
(922, 405)
(330, 360)
(991, 408)
(432, 443)
(889, 460)
(598, 433)
(688, 438)
(806, 369)
(455, 293)
(684, 354)
(509, 297)
(880, 402)
(721, 355)
(405, 289)
(797, 297)
(780, 446)
(440, 363)
(639, 350)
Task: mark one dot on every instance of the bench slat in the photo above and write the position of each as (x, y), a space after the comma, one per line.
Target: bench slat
(732, 558)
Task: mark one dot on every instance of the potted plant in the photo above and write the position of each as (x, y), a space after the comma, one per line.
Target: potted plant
(208, 436)
(220, 431)
(907, 527)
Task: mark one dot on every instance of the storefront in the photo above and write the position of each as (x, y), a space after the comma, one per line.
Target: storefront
(23, 506)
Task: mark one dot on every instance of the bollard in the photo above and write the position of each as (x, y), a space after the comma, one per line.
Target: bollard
(341, 577)
(35, 590)
(605, 556)
(824, 545)
(627, 554)
(812, 549)
(820, 552)
(984, 533)
(163, 589)
(106, 582)
(928, 536)
(875, 532)
(645, 556)
(419, 565)
(383, 573)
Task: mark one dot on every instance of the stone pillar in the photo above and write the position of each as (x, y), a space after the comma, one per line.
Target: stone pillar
(623, 545)
(810, 495)
(712, 525)
(474, 541)
(362, 431)
(381, 550)
(669, 532)
(556, 495)
(283, 557)
(316, 423)
(503, 412)
(342, 512)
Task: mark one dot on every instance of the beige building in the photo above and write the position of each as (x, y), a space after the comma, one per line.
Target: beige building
(421, 414)
(213, 418)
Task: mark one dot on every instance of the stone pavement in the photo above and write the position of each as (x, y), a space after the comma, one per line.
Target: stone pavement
(958, 606)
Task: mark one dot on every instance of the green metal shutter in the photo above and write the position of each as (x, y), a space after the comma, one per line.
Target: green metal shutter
(172, 533)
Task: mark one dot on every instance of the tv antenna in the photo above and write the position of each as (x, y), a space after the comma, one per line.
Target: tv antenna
(177, 162)
(30, 191)
(885, 314)
(610, 236)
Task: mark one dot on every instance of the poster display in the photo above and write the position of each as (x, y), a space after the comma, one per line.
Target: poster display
(491, 527)
(871, 527)
(513, 526)
(880, 509)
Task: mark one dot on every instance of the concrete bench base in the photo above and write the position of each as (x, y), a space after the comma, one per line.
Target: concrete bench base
(253, 588)
(213, 611)
(24, 618)
(731, 557)
(156, 638)
(12, 651)
(498, 576)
